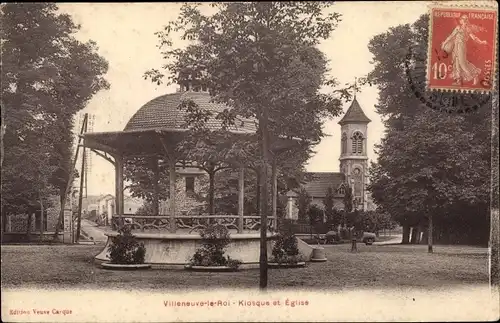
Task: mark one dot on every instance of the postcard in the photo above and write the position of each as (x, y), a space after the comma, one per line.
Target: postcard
(250, 162)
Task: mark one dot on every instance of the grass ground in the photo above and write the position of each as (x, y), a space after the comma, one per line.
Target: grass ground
(392, 266)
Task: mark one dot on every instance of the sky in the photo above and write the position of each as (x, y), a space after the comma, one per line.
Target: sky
(124, 33)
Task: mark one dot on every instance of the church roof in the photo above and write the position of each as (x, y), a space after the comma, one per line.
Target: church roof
(354, 114)
(320, 182)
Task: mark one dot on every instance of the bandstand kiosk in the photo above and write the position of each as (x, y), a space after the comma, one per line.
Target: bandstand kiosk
(155, 132)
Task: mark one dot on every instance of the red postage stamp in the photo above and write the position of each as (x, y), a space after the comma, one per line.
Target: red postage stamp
(462, 49)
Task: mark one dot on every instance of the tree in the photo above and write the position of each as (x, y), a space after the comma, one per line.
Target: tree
(348, 200)
(303, 204)
(429, 162)
(315, 217)
(141, 182)
(260, 60)
(333, 216)
(373, 221)
(47, 76)
(210, 150)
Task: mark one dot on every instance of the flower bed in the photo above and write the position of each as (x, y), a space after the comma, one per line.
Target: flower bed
(125, 252)
(211, 255)
(285, 253)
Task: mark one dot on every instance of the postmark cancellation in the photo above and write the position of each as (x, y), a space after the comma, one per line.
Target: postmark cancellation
(462, 47)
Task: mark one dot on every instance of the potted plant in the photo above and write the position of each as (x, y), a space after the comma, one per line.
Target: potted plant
(285, 253)
(210, 256)
(125, 252)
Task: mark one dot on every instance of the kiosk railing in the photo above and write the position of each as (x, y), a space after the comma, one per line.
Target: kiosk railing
(190, 223)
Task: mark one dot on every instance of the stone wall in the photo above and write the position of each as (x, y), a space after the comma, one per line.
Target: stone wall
(183, 202)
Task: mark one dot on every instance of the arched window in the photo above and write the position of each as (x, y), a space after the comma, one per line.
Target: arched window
(341, 189)
(357, 143)
(344, 143)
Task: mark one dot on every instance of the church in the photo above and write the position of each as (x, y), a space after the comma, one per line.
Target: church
(353, 168)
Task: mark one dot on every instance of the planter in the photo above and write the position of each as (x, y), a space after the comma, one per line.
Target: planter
(300, 264)
(210, 268)
(318, 255)
(107, 265)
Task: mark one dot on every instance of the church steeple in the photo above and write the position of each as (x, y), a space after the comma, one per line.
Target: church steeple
(354, 114)
(353, 155)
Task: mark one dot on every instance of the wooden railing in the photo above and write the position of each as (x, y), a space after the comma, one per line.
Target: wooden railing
(190, 223)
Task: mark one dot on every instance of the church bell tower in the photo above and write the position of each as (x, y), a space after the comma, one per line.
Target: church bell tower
(353, 154)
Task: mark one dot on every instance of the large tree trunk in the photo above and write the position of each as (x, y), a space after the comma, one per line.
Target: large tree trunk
(425, 237)
(263, 198)
(41, 218)
(28, 226)
(211, 192)
(415, 234)
(257, 193)
(429, 239)
(80, 198)
(406, 234)
(60, 223)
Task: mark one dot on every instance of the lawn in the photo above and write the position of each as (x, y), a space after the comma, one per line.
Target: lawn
(376, 266)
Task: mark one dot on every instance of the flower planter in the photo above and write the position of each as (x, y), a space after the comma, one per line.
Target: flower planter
(318, 255)
(106, 265)
(210, 268)
(272, 265)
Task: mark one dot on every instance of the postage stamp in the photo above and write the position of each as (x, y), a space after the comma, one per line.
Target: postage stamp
(462, 48)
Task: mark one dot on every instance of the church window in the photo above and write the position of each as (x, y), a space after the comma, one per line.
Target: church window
(341, 190)
(344, 143)
(357, 143)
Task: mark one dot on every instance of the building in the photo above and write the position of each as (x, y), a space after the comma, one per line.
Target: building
(191, 182)
(105, 208)
(353, 167)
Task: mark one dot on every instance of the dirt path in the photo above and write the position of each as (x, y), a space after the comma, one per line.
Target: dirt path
(93, 231)
(395, 239)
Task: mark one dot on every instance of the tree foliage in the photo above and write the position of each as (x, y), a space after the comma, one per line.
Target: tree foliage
(47, 76)
(250, 56)
(303, 204)
(429, 162)
(260, 60)
(333, 216)
(139, 175)
(348, 200)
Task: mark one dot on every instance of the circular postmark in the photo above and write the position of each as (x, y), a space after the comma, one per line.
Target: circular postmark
(449, 101)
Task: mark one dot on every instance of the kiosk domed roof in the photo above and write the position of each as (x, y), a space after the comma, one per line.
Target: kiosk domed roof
(162, 113)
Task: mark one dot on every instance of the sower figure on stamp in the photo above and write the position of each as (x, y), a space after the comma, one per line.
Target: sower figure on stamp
(456, 44)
